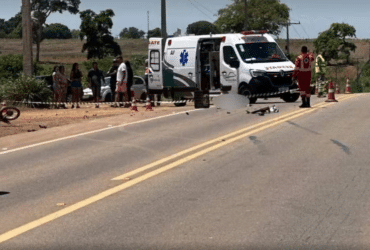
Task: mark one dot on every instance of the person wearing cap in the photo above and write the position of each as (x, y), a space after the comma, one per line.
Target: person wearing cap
(113, 77)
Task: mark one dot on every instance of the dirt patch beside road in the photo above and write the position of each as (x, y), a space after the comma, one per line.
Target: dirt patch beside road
(32, 120)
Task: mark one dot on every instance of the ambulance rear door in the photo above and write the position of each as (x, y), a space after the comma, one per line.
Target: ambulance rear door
(155, 80)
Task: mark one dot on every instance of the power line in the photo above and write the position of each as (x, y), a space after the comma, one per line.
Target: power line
(287, 24)
(211, 12)
(305, 31)
(200, 10)
(297, 32)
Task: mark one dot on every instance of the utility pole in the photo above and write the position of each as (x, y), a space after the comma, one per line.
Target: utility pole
(148, 26)
(163, 24)
(245, 16)
(287, 35)
(27, 37)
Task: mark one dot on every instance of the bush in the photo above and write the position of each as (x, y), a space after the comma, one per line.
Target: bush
(11, 66)
(25, 89)
(138, 64)
(104, 64)
(3, 34)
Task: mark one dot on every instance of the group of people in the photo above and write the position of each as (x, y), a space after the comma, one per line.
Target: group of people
(61, 83)
(121, 81)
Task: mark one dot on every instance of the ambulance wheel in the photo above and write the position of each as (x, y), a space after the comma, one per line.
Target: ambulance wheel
(247, 92)
(290, 97)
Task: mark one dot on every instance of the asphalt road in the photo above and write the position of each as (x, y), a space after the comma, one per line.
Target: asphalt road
(298, 182)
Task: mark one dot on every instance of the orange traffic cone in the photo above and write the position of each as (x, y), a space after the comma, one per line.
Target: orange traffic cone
(331, 96)
(337, 89)
(133, 105)
(148, 105)
(348, 87)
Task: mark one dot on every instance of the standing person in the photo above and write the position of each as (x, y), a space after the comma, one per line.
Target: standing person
(122, 77)
(148, 72)
(113, 78)
(75, 77)
(56, 88)
(302, 71)
(95, 77)
(130, 81)
(63, 85)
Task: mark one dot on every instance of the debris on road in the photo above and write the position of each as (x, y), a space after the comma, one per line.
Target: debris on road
(262, 111)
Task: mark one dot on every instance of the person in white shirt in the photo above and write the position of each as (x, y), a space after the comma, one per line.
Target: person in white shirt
(121, 87)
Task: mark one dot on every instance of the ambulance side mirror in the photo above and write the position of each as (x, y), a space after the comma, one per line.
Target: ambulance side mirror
(234, 63)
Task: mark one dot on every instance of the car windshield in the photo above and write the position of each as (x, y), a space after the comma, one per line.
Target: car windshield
(260, 52)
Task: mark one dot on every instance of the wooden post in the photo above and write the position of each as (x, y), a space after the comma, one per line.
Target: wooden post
(163, 24)
(27, 37)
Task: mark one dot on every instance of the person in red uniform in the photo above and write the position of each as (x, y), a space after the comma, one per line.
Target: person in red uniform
(302, 72)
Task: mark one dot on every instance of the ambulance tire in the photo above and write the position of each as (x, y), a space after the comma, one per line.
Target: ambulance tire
(246, 92)
(290, 97)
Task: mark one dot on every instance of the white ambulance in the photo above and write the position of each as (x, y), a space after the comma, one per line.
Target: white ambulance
(247, 63)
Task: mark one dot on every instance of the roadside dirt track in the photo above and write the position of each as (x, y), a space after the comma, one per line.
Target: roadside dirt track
(34, 120)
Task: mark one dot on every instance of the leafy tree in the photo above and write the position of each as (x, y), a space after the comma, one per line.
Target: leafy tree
(57, 31)
(75, 34)
(9, 26)
(202, 28)
(42, 9)
(262, 15)
(2, 25)
(17, 32)
(99, 40)
(131, 32)
(155, 33)
(332, 43)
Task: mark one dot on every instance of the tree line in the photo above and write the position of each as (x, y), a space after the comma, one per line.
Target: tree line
(95, 28)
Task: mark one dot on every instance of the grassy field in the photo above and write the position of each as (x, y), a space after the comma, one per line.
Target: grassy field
(67, 52)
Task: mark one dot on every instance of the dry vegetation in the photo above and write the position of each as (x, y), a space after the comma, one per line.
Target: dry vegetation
(338, 74)
(69, 51)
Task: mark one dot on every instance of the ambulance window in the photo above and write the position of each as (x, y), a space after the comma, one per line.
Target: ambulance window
(155, 60)
(229, 53)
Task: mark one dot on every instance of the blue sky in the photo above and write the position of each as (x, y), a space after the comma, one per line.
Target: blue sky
(315, 15)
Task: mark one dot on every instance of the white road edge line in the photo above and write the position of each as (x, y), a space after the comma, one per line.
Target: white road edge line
(95, 131)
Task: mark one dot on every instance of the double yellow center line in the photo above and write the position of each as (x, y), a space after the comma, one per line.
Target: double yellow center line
(191, 153)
